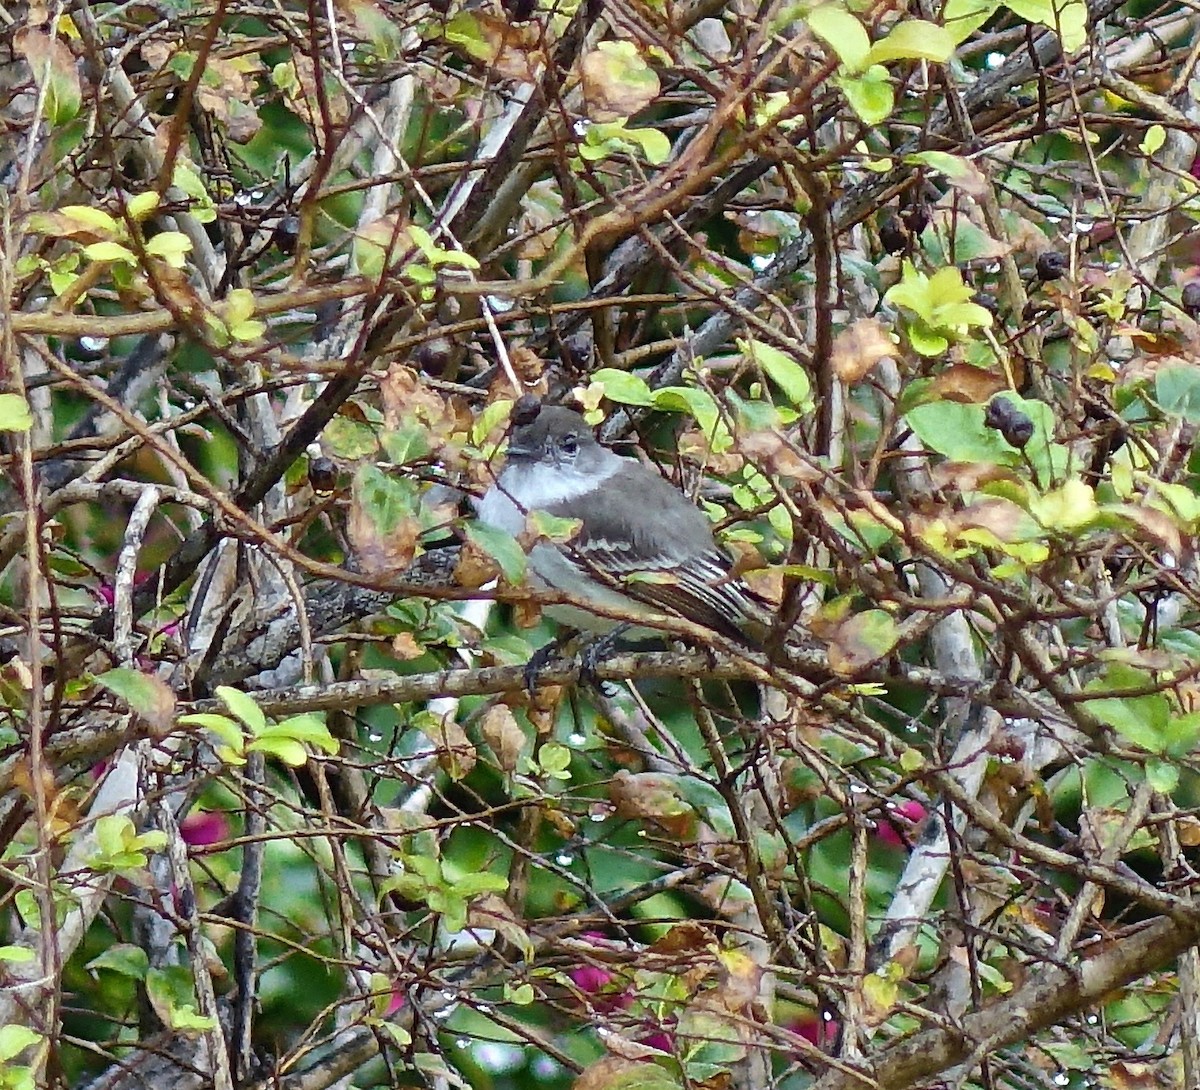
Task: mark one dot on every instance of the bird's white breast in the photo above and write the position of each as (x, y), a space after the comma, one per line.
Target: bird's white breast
(522, 488)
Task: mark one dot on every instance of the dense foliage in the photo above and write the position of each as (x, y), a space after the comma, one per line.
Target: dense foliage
(904, 296)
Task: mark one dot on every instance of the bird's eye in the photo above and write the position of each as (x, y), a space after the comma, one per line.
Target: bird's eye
(568, 444)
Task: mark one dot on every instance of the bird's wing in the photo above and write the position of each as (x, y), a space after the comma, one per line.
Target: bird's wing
(665, 556)
(698, 588)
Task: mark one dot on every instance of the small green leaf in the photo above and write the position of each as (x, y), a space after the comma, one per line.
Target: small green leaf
(783, 370)
(554, 757)
(655, 145)
(224, 728)
(110, 251)
(149, 696)
(1162, 775)
(624, 387)
(243, 707)
(963, 17)
(54, 71)
(1067, 509)
(14, 413)
(14, 1040)
(502, 548)
(913, 40)
(1177, 390)
(870, 95)
(308, 728)
(1154, 139)
(142, 205)
(91, 219)
(288, 750)
(520, 994)
(123, 958)
(843, 33)
(16, 955)
(1143, 720)
(170, 246)
(957, 431)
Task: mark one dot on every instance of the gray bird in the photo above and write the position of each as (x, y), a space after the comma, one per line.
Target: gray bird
(633, 523)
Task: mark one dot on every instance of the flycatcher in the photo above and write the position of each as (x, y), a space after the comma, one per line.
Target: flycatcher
(642, 547)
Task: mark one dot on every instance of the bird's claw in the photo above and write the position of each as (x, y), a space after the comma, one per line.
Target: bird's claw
(538, 662)
(593, 654)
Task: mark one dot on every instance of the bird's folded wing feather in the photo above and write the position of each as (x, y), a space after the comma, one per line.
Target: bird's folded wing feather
(682, 570)
(699, 588)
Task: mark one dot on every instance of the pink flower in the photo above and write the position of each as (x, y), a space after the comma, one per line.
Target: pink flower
(590, 979)
(204, 827)
(662, 1041)
(899, 822)
(817, 1030)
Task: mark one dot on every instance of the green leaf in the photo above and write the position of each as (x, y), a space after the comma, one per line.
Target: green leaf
(624, 387)
(520, 994)
(171, 991)
(1183, 733)
(956, 431)
(1068, 18)
(308, 728)
(14, 413)
(843, 33)
(123, 958)
(243, 707)
(870, 95)
(502, 548)
(1067, 509)
(862, 639)
(142, 205)
(1162, 775)
(1154, 139)
(16, 955)
(963, 17)
(1143, 721)
(149, 696)
(224, 728)
(783, 370)
(655, 145)
(554, 757)
(14, 1040)
(54, 71)
(170, 246)
(1177, 390)
(110, 251)
(553, 528)
(91, 219)
(913, 40)
(288, 750)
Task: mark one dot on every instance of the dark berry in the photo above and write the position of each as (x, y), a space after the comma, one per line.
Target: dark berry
(1190, 298)
(892, 236)
(434, 357)
(1009, 421)
(322, 474)
(1050, 265)
(577, 351)
(916, 218)
(286, 234)
(518, 10)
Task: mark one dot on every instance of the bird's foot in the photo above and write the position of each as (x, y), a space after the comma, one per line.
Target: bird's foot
(593, 654)
(542, 658)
